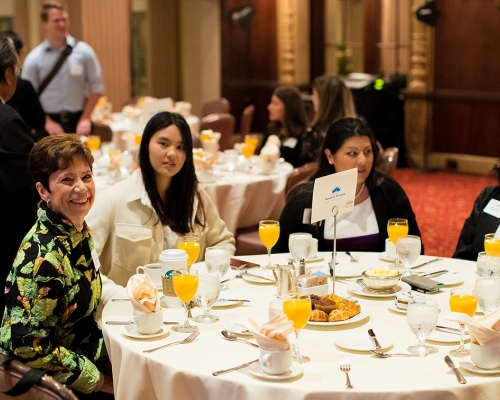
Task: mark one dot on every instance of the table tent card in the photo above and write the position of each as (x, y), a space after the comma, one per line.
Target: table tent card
(150, 108)
(334, 195)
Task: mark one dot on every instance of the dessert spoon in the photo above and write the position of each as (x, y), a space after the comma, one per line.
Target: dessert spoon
(381, 354)
(231, 337)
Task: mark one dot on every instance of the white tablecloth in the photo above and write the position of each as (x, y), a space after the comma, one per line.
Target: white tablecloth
(245, 199)
(185, 371)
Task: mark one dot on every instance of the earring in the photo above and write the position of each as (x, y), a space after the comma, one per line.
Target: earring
(48, 204)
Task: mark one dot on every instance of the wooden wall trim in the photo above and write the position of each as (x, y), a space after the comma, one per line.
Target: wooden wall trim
(468, 95)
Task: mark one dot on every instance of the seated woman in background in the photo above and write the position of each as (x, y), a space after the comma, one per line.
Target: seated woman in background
(484, 218)
(288, 120)
(349, 143)
(134, 220)
(53, 289)
(332, 100)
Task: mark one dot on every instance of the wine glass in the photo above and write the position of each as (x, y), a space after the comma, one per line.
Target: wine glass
(408, 249)
(93, 142)
(185, 282)
(252, 140)
(269, 233)
(396, 228)
(462, 300)
(297, 307)
(217, 260)
(191, 244)
(422, 316)
(492, 244)
(487, 291)
(488, 265)
(206, 296)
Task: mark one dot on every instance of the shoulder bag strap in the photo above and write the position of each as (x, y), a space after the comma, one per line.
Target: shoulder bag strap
(27, 380)
(65, 54)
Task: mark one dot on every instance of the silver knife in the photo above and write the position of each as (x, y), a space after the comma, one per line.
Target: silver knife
(374, 339)
(223, 371)
(434, 274)
(233, 300)
(258, 276)
(455, 331)
(427, 262)
(126, 323)
(460, 377)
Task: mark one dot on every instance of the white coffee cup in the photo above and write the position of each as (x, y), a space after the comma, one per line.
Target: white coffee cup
(147, 323)
(390, 249)
(275, 362)
(173, 259)
(154, 272)
(485, 357)
(313, 252)
(266, 167)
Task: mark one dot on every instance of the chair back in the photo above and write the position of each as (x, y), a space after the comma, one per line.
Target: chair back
(223, 123)
(45, 389)
(196, 140)
(299, 175)
(246, 120)
(103, 131)
(219, 106)
(389, 161)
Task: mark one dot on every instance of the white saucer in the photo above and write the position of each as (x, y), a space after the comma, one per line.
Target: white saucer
(449, 279)
(256, 279)
(472, 368)
(401, 286)
(395, 308)
(226, 303)
(361, 342)
(384, 257)
(131, 331)
(294, 371)
(362, 315)
(347, 271)
(445, 337)
(314, 259)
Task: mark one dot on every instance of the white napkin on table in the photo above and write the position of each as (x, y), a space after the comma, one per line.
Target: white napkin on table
(143, 293)
(483, 331)
(271, 150)
(273, 335)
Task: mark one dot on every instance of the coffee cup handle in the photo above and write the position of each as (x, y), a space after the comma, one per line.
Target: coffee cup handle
(132, 321)
(139, 270)
(266, 360)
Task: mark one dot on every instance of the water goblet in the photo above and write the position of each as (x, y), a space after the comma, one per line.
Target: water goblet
(422, 316)
(217, 259)
(206, 296)
(269, 233)
(396, 228)
(487, 291)
(185, 284)
(488, 265)
(297, 307)
(492, 244)
(231, 159)
(191, 244)
(462, 300)
(299, 245)
(408, 249)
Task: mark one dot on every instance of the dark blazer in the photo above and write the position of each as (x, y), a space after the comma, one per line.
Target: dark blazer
(388, 199)
(471, 240)
(18, 196)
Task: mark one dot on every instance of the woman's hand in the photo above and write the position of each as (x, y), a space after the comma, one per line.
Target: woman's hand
(107, 387)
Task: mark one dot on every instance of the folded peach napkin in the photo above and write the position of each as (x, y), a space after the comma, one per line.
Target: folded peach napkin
(483, 331)
(271, 150)
(273, 335)
(143, 293)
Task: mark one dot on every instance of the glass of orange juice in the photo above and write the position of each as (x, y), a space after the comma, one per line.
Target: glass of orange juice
(462, 300)
(191, 244)
(185, 284)
(492, 244)
(252, 140)
(93, 142)
(247, 150)
(269, 233)
(396, 228)
(297, 308)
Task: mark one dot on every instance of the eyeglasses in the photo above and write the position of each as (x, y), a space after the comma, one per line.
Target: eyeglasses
(17, 71)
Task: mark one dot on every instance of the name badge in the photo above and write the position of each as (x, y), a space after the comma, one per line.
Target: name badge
(290, 142)
(77, 69)
(493, 208)
(95, 258)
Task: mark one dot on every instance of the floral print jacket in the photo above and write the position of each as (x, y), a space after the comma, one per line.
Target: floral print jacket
(51, 295)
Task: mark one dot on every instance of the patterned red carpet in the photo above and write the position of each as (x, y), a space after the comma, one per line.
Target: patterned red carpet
(442, 201)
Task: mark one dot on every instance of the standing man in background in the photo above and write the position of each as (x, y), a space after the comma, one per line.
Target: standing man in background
(65, 73)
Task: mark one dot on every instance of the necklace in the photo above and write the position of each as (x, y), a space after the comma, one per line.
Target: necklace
(360, 190)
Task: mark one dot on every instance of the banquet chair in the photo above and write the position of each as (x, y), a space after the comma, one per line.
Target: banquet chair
(248, 242)
(389, 161)
(196, 140)
(103, 131)
(219, 106)
(299, 175)
(246, 120)
(45, 389)
(223, 123)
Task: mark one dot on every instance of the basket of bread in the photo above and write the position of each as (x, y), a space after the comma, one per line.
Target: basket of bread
(332, 308)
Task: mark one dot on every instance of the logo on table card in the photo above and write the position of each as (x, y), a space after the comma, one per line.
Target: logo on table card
(336, 193)
(337, 189)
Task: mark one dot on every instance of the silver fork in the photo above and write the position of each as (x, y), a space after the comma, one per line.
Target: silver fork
(345, 366)
(189, 339)
(353, 259)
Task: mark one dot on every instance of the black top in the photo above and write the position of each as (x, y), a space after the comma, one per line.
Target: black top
(471, 240)
(388, 198)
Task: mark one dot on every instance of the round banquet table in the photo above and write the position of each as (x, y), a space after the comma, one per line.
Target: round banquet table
(244, 199)
(185, 371)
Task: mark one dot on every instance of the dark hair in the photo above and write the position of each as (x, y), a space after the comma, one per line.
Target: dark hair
(177, 210)
(296, 120)
(16, 40)
(336, 135)
(53, 153)
(50, 5)
(335, 101)
(8, 57)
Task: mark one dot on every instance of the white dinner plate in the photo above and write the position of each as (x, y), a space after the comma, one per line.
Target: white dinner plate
(314, 259)
(225, 303)
(362, 315)
(395, 308)
(472, 368)
(356, 289)
(131, 331)
(256, 279)
(361, 342)
(384, 257)
(445, 337)
(294, 371)
(449, 279)
(235, 326)
(348, 271)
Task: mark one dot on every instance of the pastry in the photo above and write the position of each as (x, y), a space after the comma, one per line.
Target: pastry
(318, 316)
